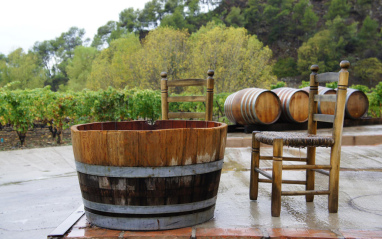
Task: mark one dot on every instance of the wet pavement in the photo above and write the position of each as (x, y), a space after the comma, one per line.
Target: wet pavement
(39, 190)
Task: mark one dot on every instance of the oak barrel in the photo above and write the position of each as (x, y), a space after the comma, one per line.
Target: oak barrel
(324, 107)
(356, 104)
(294, 104)
(136, 176)
(252, 106)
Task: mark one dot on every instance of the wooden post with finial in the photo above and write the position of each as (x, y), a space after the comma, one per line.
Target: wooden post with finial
(335, 154)
(312, 129)
(210, 95)
(164, 93)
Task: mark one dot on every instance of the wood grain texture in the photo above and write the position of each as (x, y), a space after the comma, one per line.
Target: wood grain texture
(187, 82)
(186, 99)
(294, 104)
(357, 104)
(149, 191)
(253, 106)
(255, 164)
(276, 177)
(324, 107)
(166, 143)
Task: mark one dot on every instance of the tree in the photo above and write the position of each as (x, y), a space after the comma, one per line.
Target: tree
(253, 16)
(369, 37)
(369, 71)
(304, 17)
(338, 8)
(151, 14)
(277, 16)
(235, 18)
(176, 20)
(128, 19)
(116, 66)
(239, 60)
(170, 56)
(320, 50)
(326, 47)
(285, 67)
(55, 54)
(79, 68)
(23, 68)
(107, 33)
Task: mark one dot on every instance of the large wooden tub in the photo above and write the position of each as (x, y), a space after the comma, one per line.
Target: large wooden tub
(136, 176)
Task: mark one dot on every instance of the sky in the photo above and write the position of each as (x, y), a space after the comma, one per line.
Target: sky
(24, 22)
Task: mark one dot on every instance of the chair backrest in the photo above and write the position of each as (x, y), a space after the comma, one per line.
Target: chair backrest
(208, 98)
(342, 78)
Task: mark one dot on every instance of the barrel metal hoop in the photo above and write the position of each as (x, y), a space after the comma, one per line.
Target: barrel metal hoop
(251, 113)
(241, 106)
(159, 209)
(146, 172)
(287, 106)
(152, 223)
(254, 100)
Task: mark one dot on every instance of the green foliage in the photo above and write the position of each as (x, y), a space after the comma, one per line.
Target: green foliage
(362, 88)
(79, 68)
(239, 60)
(369, 38)
(279, 84)
(55, 54)
(304, 84)
(23, 68)
(338, 8)
(304, 17)
(285, 67)
(320, 50)
(324, 35)
(117, 65)
(253, 16)
(375, 98)
(332, 85)
(235, 18)
(277, 14)
(128, 18)
(369, 71)
(177, 20)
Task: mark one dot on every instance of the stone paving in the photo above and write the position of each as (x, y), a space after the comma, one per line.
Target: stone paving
(39, 190)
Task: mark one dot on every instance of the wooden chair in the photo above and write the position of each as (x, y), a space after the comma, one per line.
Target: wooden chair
(208, 98)
(309, 140)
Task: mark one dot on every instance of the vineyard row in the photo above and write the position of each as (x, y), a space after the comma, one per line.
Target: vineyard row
(22, 109)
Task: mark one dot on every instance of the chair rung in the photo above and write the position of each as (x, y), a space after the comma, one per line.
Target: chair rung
(322, 172)
(325, 98)
(186, 99)
(261, 180)
(327, 77)
(309, 192)
(323, 118)
(285, 158)
(291, 167)
(262, 172)
(187, 82)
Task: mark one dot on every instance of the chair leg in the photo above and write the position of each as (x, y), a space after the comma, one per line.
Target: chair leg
(335, 155)
(255, 163)
(277, 177)
(310, 174)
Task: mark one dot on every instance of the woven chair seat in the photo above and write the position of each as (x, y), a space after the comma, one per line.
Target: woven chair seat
(295, 139)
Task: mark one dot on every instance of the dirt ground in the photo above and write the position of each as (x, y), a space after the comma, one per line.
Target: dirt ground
(36, 138)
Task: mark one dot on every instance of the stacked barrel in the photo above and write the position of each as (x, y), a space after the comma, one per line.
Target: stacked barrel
(261, 106)
(253, 106)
